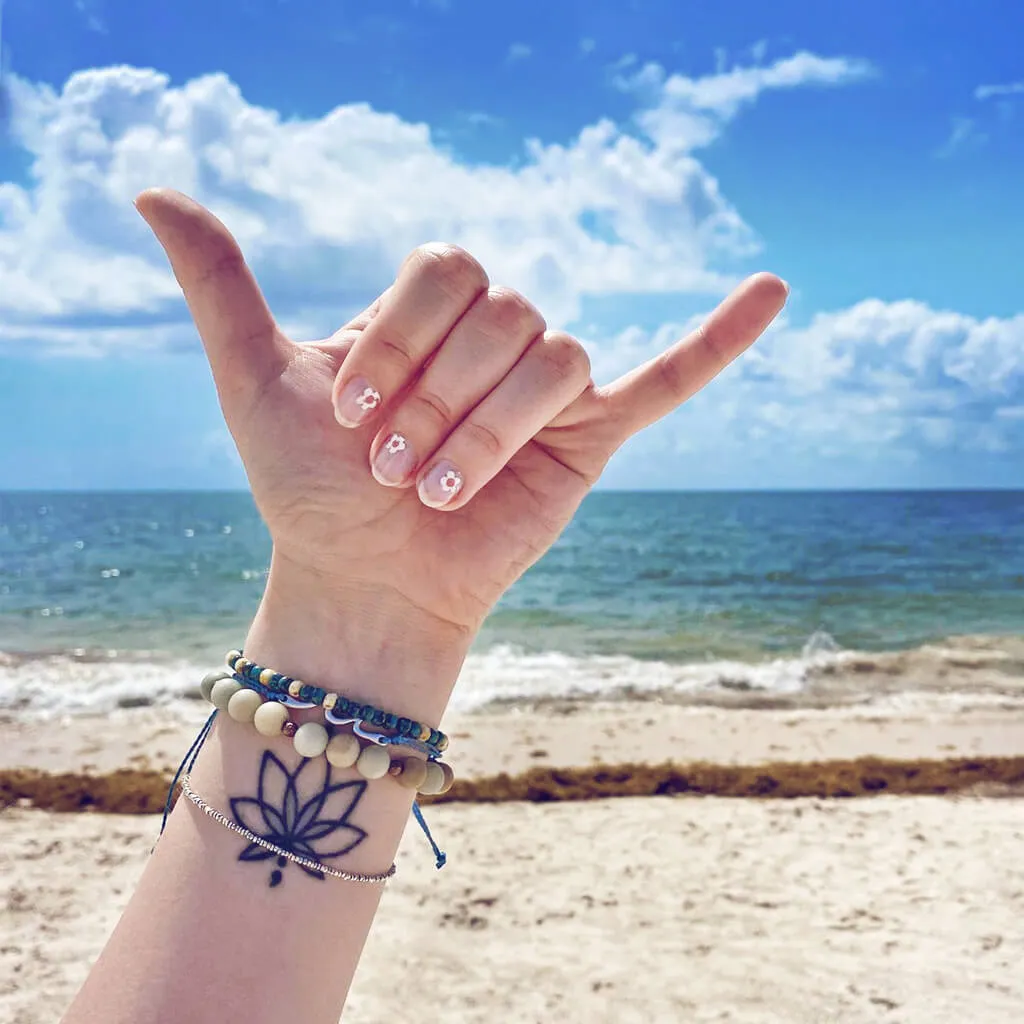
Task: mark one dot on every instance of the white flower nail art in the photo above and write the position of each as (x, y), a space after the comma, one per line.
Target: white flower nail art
(368, 399)
(395, 444)
(451, 481)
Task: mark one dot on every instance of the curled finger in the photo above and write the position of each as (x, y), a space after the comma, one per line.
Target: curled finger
(551, 374)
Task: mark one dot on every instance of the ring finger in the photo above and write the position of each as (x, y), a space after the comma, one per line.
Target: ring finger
(551, 374)
(481, 349)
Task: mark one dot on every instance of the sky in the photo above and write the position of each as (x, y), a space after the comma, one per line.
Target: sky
(623, 163)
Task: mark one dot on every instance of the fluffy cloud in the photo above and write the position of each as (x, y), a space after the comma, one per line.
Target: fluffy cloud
(684, 112)
(326, 208)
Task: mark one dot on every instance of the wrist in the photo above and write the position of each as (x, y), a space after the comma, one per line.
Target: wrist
(365, 641)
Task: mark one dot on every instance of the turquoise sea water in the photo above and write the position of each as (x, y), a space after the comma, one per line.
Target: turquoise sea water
(671, 578)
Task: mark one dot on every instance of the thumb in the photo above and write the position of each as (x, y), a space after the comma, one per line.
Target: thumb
(242, 342)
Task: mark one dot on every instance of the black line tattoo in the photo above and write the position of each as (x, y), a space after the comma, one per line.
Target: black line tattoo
(318, 829)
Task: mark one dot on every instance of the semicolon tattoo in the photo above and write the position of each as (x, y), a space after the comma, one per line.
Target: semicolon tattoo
(317, 829)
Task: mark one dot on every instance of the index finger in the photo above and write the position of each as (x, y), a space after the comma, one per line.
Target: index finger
(659, 386)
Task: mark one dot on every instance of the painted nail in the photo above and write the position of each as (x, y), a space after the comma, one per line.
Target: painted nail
(440, 485)
(356, 403)
(394, 461)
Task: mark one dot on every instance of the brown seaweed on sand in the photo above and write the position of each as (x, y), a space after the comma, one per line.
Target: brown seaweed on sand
(133, 791)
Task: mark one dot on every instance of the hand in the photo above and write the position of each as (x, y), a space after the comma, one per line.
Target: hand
(456, 396)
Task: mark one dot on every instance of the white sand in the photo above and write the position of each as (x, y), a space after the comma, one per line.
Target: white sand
(648, 910)
(901, 909)
(485, 744)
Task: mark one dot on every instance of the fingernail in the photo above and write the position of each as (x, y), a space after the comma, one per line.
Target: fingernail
(394, 461)
(356, 402)
(440, 485)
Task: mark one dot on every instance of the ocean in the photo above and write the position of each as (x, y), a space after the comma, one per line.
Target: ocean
(122, 599)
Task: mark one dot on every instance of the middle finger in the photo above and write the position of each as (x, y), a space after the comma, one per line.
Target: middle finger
(435, 286)
(481, 349)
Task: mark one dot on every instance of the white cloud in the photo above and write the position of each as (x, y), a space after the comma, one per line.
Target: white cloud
(588, 45)
(759, 51)
(688, 113)
(326, 208)
(963, 134)
(985, 92)
(91, 342)
(519, 51)
(92, 12)
(478, 118)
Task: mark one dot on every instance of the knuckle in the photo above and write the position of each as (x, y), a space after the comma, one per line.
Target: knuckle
(671, 374)
(566, 357)
(229, 263)
(398, 351)
(509, 313)
(427, 405)
(451, 269)
(714, 344)
(484, 438)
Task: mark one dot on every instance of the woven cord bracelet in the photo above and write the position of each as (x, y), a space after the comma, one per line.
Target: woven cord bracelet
(306, 862)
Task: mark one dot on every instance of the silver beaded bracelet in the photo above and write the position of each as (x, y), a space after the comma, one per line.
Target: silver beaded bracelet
(306, 862)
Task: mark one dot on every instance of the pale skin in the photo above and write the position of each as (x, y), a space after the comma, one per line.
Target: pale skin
(373, 590)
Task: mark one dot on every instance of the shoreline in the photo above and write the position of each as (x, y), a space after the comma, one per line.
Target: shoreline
(571, 735)
(964, 672)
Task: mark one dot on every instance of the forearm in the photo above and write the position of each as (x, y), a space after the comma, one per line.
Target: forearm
(204, 931)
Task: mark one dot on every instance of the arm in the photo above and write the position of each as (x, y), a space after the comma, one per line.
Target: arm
(379, 580)
(204, 937)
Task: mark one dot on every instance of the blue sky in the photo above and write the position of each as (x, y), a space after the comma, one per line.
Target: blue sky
(620, 162)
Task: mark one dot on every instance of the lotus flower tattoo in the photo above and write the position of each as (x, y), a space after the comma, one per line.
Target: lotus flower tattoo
(318, 829)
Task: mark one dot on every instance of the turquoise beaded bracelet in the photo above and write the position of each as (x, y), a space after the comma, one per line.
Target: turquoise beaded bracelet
(317, 696)
(255, 705)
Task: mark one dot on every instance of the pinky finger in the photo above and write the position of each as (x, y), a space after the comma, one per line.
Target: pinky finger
(550, 375)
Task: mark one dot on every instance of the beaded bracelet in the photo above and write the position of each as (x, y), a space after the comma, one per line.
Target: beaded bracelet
(302, 694)
(251, 703)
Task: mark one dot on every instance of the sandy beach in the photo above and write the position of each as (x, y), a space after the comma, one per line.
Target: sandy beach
(907, 909)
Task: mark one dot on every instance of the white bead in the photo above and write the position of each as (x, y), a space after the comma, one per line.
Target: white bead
(434, 781)
(310, 739)
(343, 750)
(269, 718)
(222, 691)
(243, 705)
(209, 679)
(373, 762)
